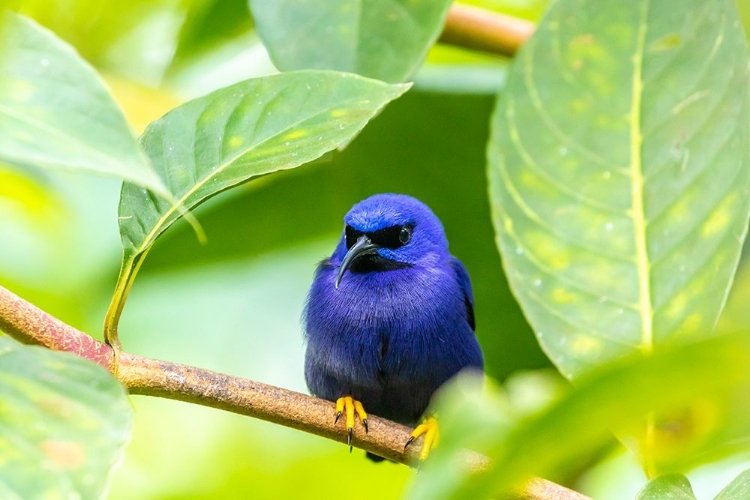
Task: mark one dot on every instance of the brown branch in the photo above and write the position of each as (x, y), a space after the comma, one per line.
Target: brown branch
(480, 29)
(151, 377)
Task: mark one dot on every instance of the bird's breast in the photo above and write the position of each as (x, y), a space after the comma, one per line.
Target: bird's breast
(395, 324)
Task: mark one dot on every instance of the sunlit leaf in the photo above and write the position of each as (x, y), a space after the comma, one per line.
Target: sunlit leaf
(385, 39)
(231, 135)
(671, 486)
(64, 422)
(739, 489)
(619, 166)
(618, 397)
(55, 112)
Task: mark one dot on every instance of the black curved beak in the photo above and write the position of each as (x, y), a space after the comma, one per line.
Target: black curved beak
(363, 246)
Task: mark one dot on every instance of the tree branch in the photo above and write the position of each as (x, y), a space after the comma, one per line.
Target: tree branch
(144, 376)
(480, 29)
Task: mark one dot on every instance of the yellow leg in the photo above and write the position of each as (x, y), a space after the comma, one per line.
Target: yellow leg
(349, 406)
(428, 429)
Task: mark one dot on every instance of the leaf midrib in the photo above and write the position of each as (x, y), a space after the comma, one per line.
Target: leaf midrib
(638, 211)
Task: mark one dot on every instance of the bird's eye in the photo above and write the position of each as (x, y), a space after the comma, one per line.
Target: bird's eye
(391, 237)
(405, 235)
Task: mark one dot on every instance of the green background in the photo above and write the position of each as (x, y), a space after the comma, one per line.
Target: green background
(234, 305)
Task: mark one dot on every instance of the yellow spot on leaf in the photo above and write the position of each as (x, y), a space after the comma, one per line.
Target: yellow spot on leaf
(692, 323)
(562, 296)
(667, 42)
(296, 134)
(549, 249)
(583, 344)
(529, 179)
(508, 224)
(338, 113)
(681, 210)
(677, 306)
(560, 261)
(718, 220)
(235, 141)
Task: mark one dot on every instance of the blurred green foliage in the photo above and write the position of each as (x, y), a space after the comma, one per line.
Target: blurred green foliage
(386, 40)
(672, 486)
(234, 304)
(615, 397)
(59, 429)
(56, 113)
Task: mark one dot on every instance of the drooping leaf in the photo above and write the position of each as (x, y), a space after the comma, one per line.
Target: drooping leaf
(64, 422)
(233, 134)
(619, 166)
(384, 39)
(667, 487)
(616, 397)
(418, 121)
(738, 489)
(55, 112)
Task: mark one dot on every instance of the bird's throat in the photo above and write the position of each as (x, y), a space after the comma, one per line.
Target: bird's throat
(374, 262)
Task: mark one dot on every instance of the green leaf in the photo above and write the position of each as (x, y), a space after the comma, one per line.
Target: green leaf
(223, 139)
(64, 422)
(618, 397)
(739, 489)
(385, 39)
(619, 166)
(667, 487)
(55, 111)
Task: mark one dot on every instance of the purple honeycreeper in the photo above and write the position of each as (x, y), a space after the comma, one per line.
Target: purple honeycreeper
(390, 314)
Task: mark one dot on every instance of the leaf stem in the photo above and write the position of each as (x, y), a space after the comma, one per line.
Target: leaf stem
(149, 377)
(484, 30)
(126, 277)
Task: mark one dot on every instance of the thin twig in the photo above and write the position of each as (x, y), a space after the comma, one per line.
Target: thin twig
(29, 324)
(480, 29)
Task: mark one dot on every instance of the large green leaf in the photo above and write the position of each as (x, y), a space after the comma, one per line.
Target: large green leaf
(739, 489)
(231, 135)
(385, 39)
(55, 112)
(64, 422)
(619, 167)
(618, 397)
(668, 486)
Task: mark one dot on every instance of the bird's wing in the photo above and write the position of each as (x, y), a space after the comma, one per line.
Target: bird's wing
(465, 282)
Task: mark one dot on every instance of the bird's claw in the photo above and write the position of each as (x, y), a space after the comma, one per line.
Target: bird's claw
(348, 406)
(428, 429)
(411, 439)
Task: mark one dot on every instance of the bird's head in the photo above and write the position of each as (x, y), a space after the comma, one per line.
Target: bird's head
(390, 231)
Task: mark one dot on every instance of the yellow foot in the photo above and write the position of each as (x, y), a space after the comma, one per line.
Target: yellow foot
(348, 405)
(428, 428)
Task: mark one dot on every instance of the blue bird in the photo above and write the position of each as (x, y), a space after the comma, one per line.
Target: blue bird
(389, 316)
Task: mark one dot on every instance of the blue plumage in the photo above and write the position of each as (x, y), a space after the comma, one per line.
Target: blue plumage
(389, 316)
